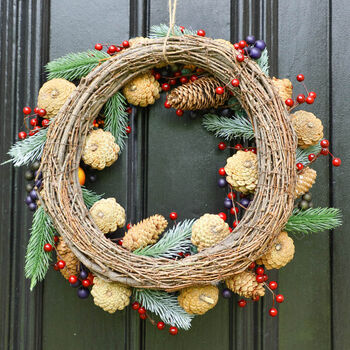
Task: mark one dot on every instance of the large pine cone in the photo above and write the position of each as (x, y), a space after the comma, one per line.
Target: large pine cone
(245, 285)
(142, 90)
(65, 254)
(145, 232)
(100, 149)
(280, 254)
(284, 88)
(199, 299)
(200, 94)
(308, 128)
(305, 179)
(208, 230)
(53, 95)
(242, 171)
(108, 215)
(110, 296)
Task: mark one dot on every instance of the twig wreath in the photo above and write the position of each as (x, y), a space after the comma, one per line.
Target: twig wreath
(173, 274)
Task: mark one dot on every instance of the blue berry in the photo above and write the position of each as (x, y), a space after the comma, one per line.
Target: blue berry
(76, 284)
(260, 44)
(33, 195)
(28, 200)
(32, 206)
(83, 293)
(255, 53)
(226, 293)
(228, 203)
(250, 39)
(222, 182)
(83, 274)
(245, 202)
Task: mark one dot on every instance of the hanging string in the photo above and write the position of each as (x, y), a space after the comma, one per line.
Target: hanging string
(172, 14)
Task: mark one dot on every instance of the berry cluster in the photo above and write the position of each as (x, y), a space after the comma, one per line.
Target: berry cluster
(112, 49)
(34, 185)
(37, 122)
(301, 98)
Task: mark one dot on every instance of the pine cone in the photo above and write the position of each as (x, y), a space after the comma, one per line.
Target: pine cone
(53, 94)
(242, 171)
(284, 88)
(308, 128)
(245, 285)
(110, 296)
(208, 230)
(199, 299)
(305, 179)
(196, 95)
(65, 254)
(100, 149)
(108, 215)
(280, 254)
(145, 232)
(142, 90)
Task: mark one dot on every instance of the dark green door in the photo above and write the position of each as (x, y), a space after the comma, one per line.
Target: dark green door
(170, 164)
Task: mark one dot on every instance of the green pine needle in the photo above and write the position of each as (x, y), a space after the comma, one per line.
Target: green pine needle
(263, 62)
(229, 128)
(314, 220)
(165, 305)
(24, 152)
(116, 120)
(161, 30)
(176, 240)
(74, 65)
(90, 197)
(303, 154)
(37, 260)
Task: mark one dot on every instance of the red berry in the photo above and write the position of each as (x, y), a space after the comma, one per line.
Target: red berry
(242, 303)
(32, 132)
(279, 298)
(86, 283)
(241, 51)
(236, 46)
(157, 76)
(336, 161)
(259, 278)
(173, 215)
(109, 53)
(235, 82)
(47, 247)
(201, 32)
(167, 104)
(310, 100)
(34, 122)
(22, 135)
(246, 150)
(260, 271)
(119, 48)
(135, 305)
(240, 57)
(324, 143)
(266, 277)
(238, 146)
(143, 316)
(252, 265)
(223, 216)
(182, 28)
(194, 77)
(36, 110)
(61, 264)
(98, 47)
(120, 242)
(125, 44)
(37, 128)
(312, 94)
(222, 171)
(242, 44)
(311, 157)
(253, 150)
(56, 268)
(177, 74)
(300, 77)
(235, 223)
(222, 146)
(324, 151)
(230, 229)
(142, 310)
(173, 330)
(128, 110)
(273, 285)
(183, 80)
(112, 49)
(172, 81)
(301, 98)
(165, 87)
(72, 279)
(42, 112)
(234, 210)
(45, 123)
(256, 298)
(128, 226)
(128, 129)
(300, 166)
(27, 110)
(232, 195)
(289, 102)
(56, 239)
(160, 325)
(273, 312)
(179, 112)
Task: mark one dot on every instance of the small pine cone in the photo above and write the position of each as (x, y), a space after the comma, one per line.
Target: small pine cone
(305, 179)
(284, 88)
(196, 95)
(108, 215)
(208, 230)
(100, 149)
(53, 94)
(242, 171)
(65, 254)
(199, 299)
(142, 90)
(110, 296)
(308, 128)
(280, 254)
(145, 232)
(245, 285)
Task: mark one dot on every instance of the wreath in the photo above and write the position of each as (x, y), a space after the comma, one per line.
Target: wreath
(174, 273)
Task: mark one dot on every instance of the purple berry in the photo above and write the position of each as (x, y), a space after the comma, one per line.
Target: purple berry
(245, 202)
(226, 293)
(76, 284)
(247, 50)
(33, 195)
(93, 177)
(83, 293)
(255, 53)
(28, 200)
(32, 206)
(83, 274)
(228, 203)
(38, 183)
(260, 44)
(39, 175)
(250, 39)
(222, 182)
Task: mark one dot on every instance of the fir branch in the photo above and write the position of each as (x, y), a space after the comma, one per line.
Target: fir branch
(27, 151)
(303, 154)
(74, 65)
(90, 197)
(37, 260)
(176, 240)
(263, 62)
(229, 128)
(165, 305)
(161, 30)
(314, 220)
(116, 120)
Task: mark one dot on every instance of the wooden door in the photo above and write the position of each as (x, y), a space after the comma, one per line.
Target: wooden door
(170, 164)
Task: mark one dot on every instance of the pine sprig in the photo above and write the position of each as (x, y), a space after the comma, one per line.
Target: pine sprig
(314, 220)
(303, 154)
(161, 30)
(165, 305)
(229, 128)
(27, 151)
(176, 240)
(263, 62)
(37, 260)
(116, 120)
(90, 197)
(74, 65)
